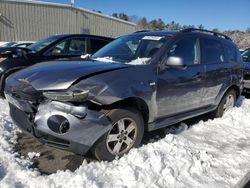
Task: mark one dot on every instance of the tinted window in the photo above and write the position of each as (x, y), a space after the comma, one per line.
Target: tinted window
(22, 45)
(246, 55)
(70, 47)
(230, 53)
(96, 44)
(9, 44)
(134, 49)
(188, 49)
(43, 43)
(213, 51)
(77, 47)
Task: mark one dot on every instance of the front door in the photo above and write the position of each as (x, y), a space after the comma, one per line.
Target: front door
(73, 47)
(180, 89)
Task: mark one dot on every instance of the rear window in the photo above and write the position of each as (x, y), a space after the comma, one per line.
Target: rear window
(213, 51)
(96, 44)
(230, 53)
(246, 55)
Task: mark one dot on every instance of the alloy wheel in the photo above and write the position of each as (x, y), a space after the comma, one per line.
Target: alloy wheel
(122, 136)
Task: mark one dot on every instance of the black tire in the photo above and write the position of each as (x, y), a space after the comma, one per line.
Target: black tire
(101, 149)
(220, 109)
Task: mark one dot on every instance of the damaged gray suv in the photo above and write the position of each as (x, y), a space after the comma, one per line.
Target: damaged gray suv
(137, 83)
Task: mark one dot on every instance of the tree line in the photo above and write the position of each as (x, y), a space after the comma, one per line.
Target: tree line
(241, 38)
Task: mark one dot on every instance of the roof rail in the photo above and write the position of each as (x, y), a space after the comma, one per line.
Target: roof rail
(207, 31)
(141, 31)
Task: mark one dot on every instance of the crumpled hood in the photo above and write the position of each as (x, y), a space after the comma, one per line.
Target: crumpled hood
(57, 75)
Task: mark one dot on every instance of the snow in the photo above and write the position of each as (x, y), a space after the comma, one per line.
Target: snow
(105, 59)
(139, 61)
(214, 153)
(86, 56)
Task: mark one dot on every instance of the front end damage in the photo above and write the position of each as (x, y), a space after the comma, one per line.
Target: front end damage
(68, 111)
(59, 124)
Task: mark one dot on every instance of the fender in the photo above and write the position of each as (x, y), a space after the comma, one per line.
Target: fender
(105, 90)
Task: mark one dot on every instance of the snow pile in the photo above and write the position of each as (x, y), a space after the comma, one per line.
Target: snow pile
(210, 154)
(105, 59)
(139, 61)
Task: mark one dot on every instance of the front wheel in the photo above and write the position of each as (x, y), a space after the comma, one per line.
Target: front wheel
(126, 132)
(228, 101)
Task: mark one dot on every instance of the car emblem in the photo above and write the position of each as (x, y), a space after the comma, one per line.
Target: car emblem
(24, 80)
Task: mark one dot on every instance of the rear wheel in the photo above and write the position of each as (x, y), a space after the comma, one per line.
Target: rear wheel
(227, 102)
(126, 132)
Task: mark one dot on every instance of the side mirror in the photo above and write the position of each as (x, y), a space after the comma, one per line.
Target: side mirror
(175, 62)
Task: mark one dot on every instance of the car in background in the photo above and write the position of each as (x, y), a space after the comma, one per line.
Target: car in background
(246, 60)
(13, 59)
(2, 43)
(22, 44)
(137, 83)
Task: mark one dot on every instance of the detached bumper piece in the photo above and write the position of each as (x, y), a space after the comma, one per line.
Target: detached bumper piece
(61, 125)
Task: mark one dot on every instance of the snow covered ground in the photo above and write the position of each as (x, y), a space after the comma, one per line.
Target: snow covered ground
(210, 154)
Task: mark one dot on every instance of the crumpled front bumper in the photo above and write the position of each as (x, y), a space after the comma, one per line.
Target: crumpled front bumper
(83, 128)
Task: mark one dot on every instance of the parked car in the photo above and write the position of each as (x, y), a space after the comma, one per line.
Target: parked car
(139, 82)
(53, 47)
(22, 44)
(2, 43)
(242, 50)
(246, 59)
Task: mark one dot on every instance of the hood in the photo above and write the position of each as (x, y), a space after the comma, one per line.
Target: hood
(59, 75)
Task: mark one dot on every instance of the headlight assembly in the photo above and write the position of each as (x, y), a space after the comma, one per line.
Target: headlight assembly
(70, 96)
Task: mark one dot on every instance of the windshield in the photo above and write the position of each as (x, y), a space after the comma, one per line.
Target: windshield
(9, 44)
(132, 49)
(42, 43)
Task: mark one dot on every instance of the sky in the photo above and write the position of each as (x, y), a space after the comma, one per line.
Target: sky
(221, 14)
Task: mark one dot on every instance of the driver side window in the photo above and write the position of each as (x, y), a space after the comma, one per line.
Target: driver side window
(70, 47)
(188, 49)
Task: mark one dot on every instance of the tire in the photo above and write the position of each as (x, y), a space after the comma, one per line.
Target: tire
(222, 107)
(107, 147)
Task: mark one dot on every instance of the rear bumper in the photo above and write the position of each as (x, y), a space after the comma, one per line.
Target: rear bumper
(85, 126)
(246, 88)
(247, 84)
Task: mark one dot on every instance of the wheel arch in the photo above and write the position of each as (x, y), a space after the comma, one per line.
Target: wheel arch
(134, 102)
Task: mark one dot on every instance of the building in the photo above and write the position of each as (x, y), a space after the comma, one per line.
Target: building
(34, 20)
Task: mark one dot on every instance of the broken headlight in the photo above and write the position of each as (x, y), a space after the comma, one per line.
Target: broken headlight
(67, 96)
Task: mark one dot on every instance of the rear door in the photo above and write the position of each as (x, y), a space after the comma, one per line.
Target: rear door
(180, 90)
(218, 69)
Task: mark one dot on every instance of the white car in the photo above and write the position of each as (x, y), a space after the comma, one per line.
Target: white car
(17, 44)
